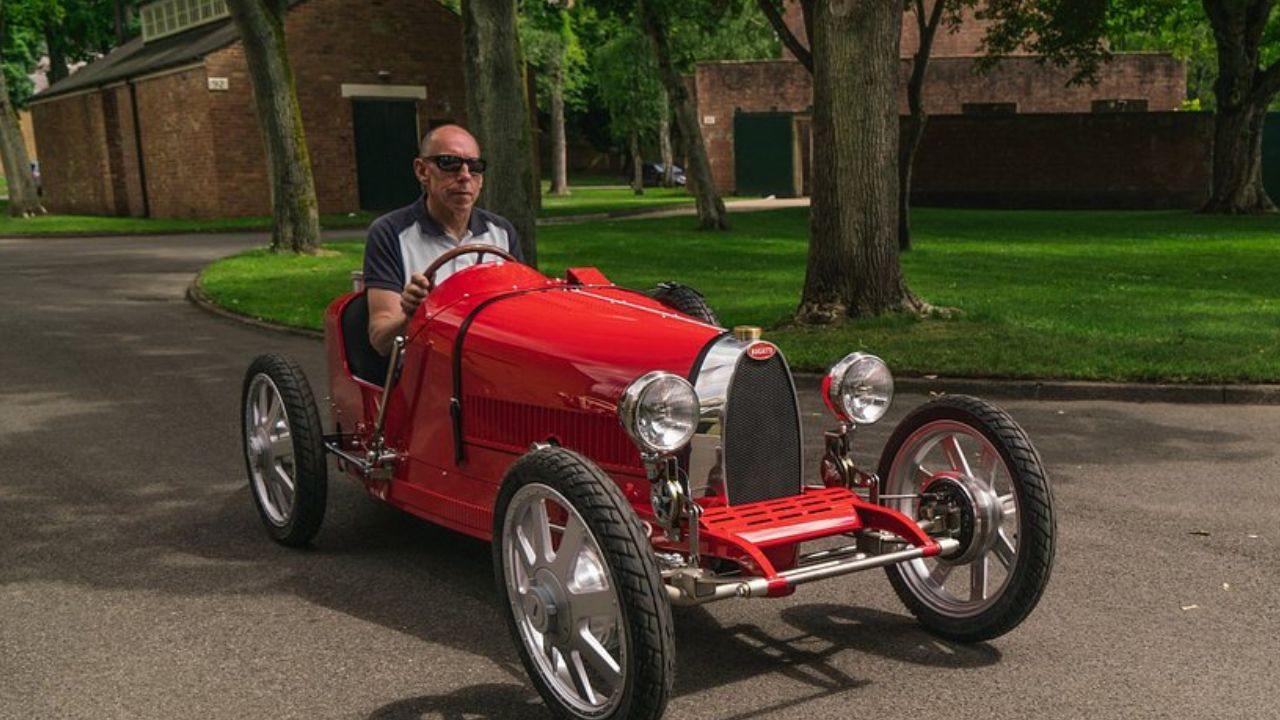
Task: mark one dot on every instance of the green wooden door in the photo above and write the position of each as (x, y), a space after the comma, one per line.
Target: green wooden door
(386, 142)
(764, 154)
(1271, 156)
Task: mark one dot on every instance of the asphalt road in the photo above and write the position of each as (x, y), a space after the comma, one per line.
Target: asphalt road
(136, 581)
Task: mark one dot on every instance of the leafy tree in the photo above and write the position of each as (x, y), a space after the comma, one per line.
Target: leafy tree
(660, 21)
(626, 77)
(1246, 39)
(1181, 30)
(24, 200)
(498, 112)
(927, 19)
(1247, 35)
(550, 43)
(296, 224)
(77, 31)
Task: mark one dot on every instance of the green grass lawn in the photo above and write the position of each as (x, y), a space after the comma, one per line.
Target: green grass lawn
(100, 225)
(1088, 295)
(1125, 296)
(585, 200)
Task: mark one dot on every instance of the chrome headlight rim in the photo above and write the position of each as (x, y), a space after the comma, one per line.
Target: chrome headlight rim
(880, 396)
(632, 404)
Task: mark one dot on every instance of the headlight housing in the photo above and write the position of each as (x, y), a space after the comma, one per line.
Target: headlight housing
(859, 388)
(659, 411)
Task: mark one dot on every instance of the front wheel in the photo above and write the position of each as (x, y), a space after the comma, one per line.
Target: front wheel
(284, 449)
(587, 606)
(970, 457)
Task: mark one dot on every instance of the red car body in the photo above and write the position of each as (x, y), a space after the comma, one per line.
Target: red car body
(526, 359)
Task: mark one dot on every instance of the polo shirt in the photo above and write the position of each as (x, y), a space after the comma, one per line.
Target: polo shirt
(407, 240)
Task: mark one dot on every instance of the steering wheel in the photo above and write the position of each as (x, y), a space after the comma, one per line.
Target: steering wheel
(448, 255)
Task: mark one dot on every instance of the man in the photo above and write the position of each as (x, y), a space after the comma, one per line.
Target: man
(404, 242)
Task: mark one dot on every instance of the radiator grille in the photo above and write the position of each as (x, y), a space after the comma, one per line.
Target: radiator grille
(515, 425)
(762, 453)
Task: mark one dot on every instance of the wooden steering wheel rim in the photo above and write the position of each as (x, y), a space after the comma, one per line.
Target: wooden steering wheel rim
(448, 255)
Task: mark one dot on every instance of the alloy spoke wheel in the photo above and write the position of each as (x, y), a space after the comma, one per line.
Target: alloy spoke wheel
(270, 451)
(959, 450)
(565, 600)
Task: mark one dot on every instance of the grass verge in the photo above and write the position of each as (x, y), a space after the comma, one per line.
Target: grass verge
(584, 199)
(1163, 296)
(53, 225)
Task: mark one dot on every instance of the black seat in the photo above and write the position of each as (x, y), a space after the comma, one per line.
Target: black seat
(365, 362)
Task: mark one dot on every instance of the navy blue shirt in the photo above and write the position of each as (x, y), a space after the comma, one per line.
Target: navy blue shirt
(407, 240)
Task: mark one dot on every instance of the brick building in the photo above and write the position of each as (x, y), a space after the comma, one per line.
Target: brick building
(164, 125)
(760, 111)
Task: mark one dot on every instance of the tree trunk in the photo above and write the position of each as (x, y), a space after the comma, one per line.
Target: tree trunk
(637, 164)
(57, 58)
(1243, 91)
(1237, 162)
(296, 218)
(927, 28)
(559, 146)
(121, 11)
(853, 266)
(498, 113)
(24, 200)
(711, 212)
(664, 145)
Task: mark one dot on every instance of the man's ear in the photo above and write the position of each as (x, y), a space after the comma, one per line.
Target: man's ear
(420, 171)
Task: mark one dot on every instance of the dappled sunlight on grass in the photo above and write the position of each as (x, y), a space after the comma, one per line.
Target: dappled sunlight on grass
(1090, 295)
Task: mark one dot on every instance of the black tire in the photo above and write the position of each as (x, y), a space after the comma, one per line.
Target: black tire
(1020, 471)
(273, 379)
(685, 299)
(636, 627)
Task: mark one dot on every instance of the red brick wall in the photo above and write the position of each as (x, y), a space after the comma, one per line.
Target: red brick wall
(202, 149)
(757, 86)
(71, 135)
(1036, 88)
(1116, 160)
(178, 145)
(331, 43)
(122, 149)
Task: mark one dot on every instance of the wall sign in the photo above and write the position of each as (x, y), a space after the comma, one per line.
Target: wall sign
(219, 83)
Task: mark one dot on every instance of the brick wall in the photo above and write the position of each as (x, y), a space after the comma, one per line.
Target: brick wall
(757, 86)
(1116, 160)
(782, 85)
(72, 135)
(1036, 88)
(331, 43)
(202, 149)
(178, 145)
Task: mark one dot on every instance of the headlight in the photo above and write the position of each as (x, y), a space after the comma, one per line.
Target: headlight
(659, 411)
(859, 388)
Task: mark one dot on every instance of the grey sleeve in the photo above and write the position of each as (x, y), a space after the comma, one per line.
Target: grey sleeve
(513, 237)
(383, 263)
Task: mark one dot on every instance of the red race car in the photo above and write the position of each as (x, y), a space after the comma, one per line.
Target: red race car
(624, 454)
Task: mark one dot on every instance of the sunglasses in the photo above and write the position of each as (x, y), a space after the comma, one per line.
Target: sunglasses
(454, 163)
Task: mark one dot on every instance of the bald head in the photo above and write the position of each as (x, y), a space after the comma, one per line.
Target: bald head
(448, 136)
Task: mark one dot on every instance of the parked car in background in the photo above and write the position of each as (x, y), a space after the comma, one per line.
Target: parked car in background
(652, 174)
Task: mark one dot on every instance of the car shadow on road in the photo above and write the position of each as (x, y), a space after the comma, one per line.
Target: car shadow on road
(491, 701)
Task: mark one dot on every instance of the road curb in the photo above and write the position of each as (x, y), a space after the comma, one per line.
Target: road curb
(1042, 390)
(196, 295)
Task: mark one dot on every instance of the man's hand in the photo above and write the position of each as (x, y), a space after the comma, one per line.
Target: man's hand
(415, 291)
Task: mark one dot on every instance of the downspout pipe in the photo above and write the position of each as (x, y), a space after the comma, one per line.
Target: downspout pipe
(137, 143)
